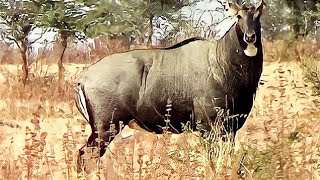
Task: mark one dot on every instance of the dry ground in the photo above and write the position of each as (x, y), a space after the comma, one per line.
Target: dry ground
(41, 130)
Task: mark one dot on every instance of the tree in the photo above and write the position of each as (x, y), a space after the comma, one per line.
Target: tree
(64, 17)
(17, 20)
(302, 15)
(146, 10)
(274, 19)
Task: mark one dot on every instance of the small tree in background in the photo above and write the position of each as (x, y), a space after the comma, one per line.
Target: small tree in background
(145, 11)
(301, 17)
(63, 16)
(17, 20)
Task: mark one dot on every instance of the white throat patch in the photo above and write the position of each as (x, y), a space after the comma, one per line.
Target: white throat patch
(251, 50)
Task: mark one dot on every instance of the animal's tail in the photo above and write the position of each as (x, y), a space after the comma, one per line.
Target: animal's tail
(81, 101)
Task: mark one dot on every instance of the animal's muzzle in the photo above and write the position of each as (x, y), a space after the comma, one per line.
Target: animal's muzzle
(250, 38)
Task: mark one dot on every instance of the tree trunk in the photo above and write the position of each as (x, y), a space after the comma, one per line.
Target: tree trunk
(25, 63)
(149, 44)
(64, 44)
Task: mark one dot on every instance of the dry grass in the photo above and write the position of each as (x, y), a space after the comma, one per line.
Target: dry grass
(282, 136)
(41, 130)
(44, 114)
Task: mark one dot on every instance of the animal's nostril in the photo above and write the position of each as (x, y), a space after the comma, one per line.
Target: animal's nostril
(253, 36)
(247, 38)
(250, 38)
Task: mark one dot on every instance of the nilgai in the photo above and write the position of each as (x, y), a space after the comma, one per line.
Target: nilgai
(197, 76)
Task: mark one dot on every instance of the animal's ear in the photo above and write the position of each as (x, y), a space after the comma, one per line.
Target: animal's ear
(259, 9)
(232, 8)
(240, 14)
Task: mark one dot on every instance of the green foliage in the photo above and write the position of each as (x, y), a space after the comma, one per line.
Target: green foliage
(105, 18)
(297, 17)
(61, 15)
(125, 17)
(274, 18)
(129, 17)
(17, 18)
(301, 16)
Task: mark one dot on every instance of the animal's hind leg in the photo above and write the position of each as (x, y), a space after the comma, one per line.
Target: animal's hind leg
(103, 131)
(110, 127)
(97, 141)
(88, 154)
(101, 136)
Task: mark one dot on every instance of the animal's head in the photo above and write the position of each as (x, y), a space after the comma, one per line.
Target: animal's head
(248, 26)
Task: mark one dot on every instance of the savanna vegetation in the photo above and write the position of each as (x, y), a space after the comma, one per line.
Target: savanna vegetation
(41, 129)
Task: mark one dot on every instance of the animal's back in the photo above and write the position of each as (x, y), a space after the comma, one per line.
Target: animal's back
(161, 63)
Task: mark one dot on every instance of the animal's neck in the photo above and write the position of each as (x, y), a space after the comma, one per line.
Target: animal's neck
(237, 68)
(230, 45)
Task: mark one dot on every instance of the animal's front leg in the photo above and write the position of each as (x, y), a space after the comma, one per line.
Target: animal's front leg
(203, 115)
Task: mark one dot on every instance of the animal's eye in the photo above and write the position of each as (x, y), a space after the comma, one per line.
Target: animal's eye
(238, 16)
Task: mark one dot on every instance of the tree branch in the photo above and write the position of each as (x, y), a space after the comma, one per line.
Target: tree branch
(31, 42)
(14, 40)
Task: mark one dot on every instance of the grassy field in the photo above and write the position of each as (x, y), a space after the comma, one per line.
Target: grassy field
(41, 130)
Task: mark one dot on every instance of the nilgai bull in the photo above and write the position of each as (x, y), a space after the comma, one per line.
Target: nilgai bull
(197, 76)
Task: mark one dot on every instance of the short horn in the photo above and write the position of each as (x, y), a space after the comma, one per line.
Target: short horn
(235, 4)
(261, 4)
(260, 8)
(226, 6)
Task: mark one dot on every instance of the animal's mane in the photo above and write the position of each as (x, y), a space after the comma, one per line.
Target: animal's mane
(182, 43)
